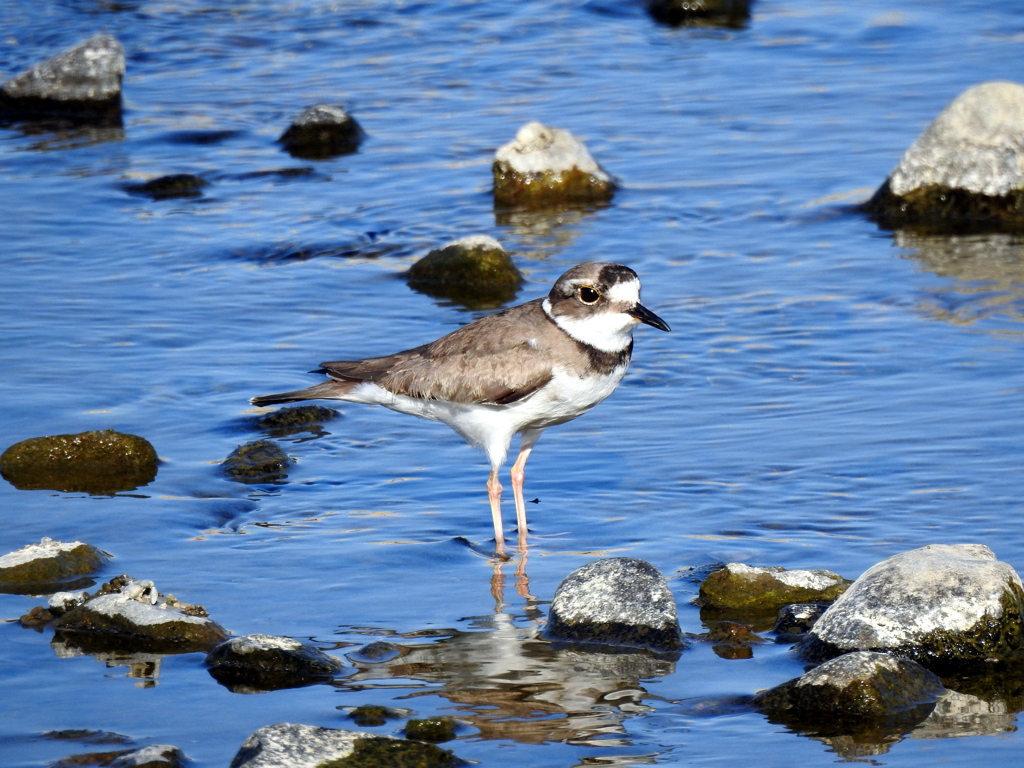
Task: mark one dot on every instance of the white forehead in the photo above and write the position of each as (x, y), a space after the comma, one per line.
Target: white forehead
(627, 292)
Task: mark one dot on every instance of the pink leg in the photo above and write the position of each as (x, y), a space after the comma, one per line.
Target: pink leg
(518, 478)
(494, 496)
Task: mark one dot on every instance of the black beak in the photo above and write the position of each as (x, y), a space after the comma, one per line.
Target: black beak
(644, 315)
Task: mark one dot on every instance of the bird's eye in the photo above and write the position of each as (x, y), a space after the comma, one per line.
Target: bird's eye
(588, 295)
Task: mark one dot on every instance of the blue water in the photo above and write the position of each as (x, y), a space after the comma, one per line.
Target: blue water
(830, 394)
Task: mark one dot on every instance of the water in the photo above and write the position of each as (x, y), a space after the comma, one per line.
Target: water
(830, 394)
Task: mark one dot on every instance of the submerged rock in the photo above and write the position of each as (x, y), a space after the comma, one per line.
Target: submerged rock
(942, 605)
(153, 756)
(794, 621)
(261, 461)
(169, 187)
(721, 13)
(322, 131)
(431, 729)
(544, 167)
(474, 271)
(768, 589)
(291, 745)
(965, 172)
(50, 562)
(852, 692)
(129, 614)
(99, 462)
(293, 418)
(266, 662)
(83, 82)
(377, 652)
(619, 601)
(370, 715)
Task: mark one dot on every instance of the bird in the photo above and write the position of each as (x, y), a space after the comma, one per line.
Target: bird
(517, 371)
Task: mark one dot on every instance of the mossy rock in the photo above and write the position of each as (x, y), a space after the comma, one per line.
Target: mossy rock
(99, 462)
(261, 461)
(475, 272)
(739, 586)
(379, 752)
(321, 132)
(266, 662)
(549, 189)
(937, 210)
(50, 562)
(431, 729)
(294, 417)
(369, 715)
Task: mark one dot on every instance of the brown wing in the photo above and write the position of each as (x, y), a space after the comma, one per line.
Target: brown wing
(487, 361)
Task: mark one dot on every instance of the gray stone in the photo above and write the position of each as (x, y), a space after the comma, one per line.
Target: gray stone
(87, 75)
(322, 131)
(153, 756)
(860, 684)
(965, 172)
(291, 745)
(941, 605)
(619, 601)
(266, 662)
(545, 166)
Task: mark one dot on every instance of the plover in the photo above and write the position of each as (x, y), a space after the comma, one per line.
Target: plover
(518, 371)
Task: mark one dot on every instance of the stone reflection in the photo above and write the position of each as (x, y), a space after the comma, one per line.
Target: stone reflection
(989, 270)
(511, 685)
(541, 233)
(962, 714)
(141, 666)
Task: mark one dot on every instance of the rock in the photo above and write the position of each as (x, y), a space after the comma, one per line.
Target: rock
(83, 82)
(739, 586)
(942, 605)
(62, 602)
(287, 421)
(101, 463)
(320, 132)
(619, 601)
(794, 621)
(474, 271)
(720, 13)
(36, 617)
(50, 562)
(290, 745)
(862, 685)
(153, 756)
(169, 187)
(261, 461)
(431, 729)
(375, 653)
(369, 715)
(965, 172)
(266, 662)
(544, 167)
(128, 614)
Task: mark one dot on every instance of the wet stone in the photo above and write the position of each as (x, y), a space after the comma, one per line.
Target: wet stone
(796, 620)
(965, 172)
(871, 686)
(153, 756)
(291, 745)
(370, 715)
(322, 131)
(547, 167)
(169, 187)
(475, 272)
(739, 586)
(620, 601)
(50, 562)
(99, 462)
(723, 13)
(261, 461)
(36, 617)
(267, 662)
(83, 82)
(133, 617)
(431, 729)
(293, 417)
(376, 652)
(946, 606)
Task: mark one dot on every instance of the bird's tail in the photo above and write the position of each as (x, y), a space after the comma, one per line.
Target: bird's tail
(327, 390)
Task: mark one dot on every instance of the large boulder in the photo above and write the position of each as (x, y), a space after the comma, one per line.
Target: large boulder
(548, 167)
(943, 605)
(965, 172)
(620, 601)
(83, 82)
